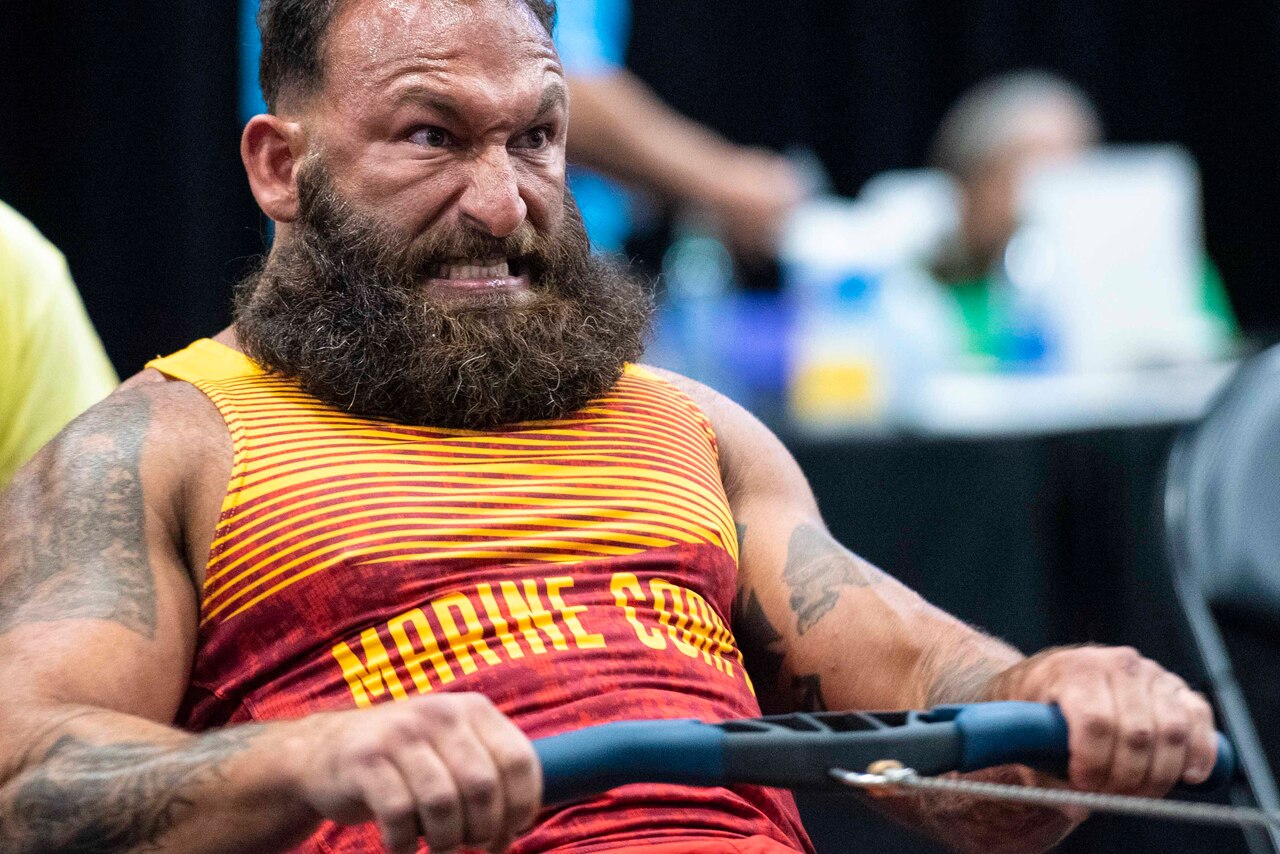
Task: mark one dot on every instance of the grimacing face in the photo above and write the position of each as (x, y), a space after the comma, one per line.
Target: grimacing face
(445, 113)
(430, 267)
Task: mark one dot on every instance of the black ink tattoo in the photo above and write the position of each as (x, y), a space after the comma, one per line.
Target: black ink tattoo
(817, 570)
(808, 693)
(761, 649)
(742, 536)
(100, 799)
(75, 544)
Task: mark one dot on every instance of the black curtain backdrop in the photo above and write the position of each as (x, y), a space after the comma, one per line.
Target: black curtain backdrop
(119, 126)
(119, 138)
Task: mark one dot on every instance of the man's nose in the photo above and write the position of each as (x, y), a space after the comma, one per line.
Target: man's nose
(492, 199)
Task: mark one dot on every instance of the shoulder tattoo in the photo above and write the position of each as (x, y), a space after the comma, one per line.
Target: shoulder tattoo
(74, 542)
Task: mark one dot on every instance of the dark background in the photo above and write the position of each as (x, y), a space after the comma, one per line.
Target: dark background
(119, 127)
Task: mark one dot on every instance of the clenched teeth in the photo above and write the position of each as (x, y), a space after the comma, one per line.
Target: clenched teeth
(485, 269)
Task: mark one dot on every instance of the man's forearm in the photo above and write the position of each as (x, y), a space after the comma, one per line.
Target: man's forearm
(155, 789)
(897, 651)
(964, 668)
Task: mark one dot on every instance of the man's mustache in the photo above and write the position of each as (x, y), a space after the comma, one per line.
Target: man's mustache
(462, 244)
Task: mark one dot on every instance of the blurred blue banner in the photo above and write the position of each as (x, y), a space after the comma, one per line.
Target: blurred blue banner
(250, 49)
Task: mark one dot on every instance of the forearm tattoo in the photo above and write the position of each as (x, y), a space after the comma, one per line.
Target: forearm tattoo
(74, 544)
(817, 570)
(100, 799)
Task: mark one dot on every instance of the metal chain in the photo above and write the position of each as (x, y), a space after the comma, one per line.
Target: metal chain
(1169, 810)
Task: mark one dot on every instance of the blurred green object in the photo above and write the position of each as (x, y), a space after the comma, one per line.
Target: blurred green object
(985, 319)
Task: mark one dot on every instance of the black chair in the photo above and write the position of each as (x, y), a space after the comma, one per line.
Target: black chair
(1222, 535)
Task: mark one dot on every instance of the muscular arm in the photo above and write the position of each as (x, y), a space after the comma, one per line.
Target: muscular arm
(98, 619)
(802, 595)
(97, 628)
(822, 629)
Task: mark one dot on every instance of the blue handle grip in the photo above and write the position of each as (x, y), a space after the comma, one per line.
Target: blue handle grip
(799, 750)
(1035, 734)
(598, 758)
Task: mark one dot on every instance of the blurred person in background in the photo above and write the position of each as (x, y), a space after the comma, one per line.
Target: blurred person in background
(624, 131)
(989, 142)
(54, 367)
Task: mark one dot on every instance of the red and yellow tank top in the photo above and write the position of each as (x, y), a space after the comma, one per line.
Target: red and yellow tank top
(576, 571)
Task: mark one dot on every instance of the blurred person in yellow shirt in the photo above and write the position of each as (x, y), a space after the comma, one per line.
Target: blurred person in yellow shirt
(52, 365)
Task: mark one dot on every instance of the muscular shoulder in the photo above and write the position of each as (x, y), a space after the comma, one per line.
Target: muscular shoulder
(170, 421)
(152, 447)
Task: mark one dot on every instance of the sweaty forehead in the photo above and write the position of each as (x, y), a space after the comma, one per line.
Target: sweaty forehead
(371, 42)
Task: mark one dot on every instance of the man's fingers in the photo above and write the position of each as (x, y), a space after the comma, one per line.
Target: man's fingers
(518, 770)
(1135, 737)
(1202, 744)
(1091, 727)
(1172, 733)
(475, 774)
(387, 796)
(435, 796)
(1133, 727)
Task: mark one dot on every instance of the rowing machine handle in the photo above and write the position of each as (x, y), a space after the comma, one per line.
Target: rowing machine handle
(1035, 734)
(798, 751)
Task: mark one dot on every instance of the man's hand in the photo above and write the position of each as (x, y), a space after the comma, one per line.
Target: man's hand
(1135, 728)
(449, 768)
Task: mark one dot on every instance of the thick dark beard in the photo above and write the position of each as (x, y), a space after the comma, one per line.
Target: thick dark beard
(342, 309)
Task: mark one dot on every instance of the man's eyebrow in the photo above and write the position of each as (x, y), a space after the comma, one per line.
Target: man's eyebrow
(555, 95)
(426, 96)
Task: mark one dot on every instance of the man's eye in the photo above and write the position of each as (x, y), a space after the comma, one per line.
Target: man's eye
(430, 137)
(535, 139)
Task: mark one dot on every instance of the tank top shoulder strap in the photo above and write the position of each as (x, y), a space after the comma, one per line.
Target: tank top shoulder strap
(676, 396)
(206, 361)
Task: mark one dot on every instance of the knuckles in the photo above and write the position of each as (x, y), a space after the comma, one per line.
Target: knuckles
(440, 806)
(514, 763)
(1175, 735)
(1090, 684)
(1097, 725)
(1139, 739)
(479, 790)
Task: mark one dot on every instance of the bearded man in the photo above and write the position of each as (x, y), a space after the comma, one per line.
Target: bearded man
(316, 582)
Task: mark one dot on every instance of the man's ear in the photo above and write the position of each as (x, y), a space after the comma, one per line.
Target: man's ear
(272, 149)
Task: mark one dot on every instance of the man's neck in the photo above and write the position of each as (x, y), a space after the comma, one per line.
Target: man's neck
(228, 337)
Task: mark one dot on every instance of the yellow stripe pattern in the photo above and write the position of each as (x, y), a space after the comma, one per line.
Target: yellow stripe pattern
(316, 490)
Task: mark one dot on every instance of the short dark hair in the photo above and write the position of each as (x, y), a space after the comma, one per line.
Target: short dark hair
(293, 33)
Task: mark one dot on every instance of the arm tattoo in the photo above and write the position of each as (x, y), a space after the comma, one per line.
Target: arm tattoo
(76, 544)
(808, 693)
(99, 799)
(817, 570)
(761, 648)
